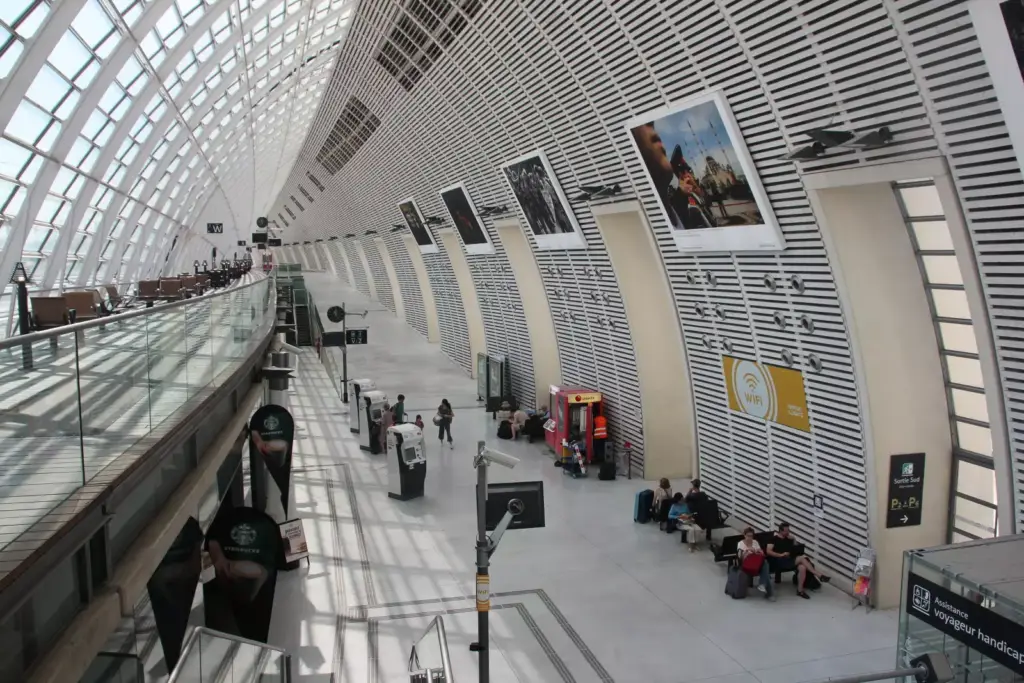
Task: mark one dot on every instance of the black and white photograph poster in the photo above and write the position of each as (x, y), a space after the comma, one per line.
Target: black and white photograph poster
(418, 226)
(545, 206)
(466, 219)
(1000, 28)
(708, 190)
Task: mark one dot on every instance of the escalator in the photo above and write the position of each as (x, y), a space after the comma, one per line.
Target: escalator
(210, 656)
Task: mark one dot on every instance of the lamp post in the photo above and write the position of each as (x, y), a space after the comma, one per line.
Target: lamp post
(20, 279)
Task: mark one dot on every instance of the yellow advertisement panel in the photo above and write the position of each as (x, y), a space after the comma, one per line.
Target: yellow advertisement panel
(585, 397)
(768, 392)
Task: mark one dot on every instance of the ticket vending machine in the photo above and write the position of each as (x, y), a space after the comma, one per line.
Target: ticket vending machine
(572, 418)
(373, 409)
(358, 388)
(407, 466)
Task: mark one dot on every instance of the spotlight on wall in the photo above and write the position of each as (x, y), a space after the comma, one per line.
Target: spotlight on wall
(829, 137)
(370, 232)
(486, 211)
(874, 139)
(349, 236)
(434, 220)
(812, 151)
(588, 192)
(398, 228)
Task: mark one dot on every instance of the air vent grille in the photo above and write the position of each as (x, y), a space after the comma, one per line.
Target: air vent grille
(352, 129)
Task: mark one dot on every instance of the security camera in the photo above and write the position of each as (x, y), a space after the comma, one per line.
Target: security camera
(497, 458)
(516, 507)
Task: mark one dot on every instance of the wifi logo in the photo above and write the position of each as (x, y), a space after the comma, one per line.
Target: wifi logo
(754, 390)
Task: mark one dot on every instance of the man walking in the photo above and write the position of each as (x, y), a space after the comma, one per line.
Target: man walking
(399, 409)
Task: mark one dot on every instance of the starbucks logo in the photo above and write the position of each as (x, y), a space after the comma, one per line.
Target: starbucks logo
(243, 535)
(271, 424)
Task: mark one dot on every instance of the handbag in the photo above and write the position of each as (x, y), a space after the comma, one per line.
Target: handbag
(437, 420)
(752, 564)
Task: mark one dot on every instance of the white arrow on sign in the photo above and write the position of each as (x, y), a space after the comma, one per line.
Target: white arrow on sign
(904, 519)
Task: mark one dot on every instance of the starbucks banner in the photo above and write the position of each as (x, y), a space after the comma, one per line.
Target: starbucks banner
(173, 587)
(271, 433)
(246, 549)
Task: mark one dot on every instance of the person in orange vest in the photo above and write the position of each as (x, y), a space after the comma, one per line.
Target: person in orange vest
(600, 435)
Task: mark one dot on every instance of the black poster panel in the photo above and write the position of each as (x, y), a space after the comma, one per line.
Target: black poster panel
(977, 627)
(906, 490)
(271, 433)
(246, 549)
(173, 587)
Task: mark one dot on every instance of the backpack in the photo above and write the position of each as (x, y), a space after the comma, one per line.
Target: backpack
(736, 584)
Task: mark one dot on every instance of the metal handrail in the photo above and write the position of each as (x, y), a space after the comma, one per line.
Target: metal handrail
(442, 643)
(22, 339)
(193, 637)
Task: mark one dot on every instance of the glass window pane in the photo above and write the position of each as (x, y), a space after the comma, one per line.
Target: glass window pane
(976, 481)
(973, 438)
(932, 236)
(28, 122)
(69, 55)
(13, 158)
(966, 371)
(951, 303)
(958, 337)
(921, 201)
(92, 23)
(942, 270)
(970, 405)
(973, 518)
(48, 88)
(10, 57)
(28, 26)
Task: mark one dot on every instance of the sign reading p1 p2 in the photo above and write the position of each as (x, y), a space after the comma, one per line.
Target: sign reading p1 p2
(906, 490)
(215, 228)
(990, 634)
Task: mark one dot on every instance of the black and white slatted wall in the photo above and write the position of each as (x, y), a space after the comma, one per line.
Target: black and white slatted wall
(380, 276)
(358, 272)
(451, 316)
(565, 75)
(412, 296)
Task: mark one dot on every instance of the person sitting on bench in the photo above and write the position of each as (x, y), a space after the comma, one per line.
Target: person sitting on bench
(748, 547)
(782, 551)
(518, 423)
(680, 518)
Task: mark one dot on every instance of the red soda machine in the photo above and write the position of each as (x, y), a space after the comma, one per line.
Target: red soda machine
(572, 413)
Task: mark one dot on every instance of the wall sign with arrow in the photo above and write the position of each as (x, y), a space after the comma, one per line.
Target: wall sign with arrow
(906, 490)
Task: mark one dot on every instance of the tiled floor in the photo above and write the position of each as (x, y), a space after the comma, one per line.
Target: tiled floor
(591, 597)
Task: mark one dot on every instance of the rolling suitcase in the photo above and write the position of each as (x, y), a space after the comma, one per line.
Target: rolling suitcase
(642, 506)
(736, 584)
(607, 471)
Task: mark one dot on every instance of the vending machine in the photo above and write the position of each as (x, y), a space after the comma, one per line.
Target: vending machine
(407, 464)
(572, 419)
(373, 413)
(359, 387)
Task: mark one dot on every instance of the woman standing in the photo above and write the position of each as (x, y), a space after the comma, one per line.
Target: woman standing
(444, 418)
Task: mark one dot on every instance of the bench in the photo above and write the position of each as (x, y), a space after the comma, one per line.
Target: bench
(49, 312)
(115, 299)
(87, 305)
(708, 517)
(170, 288)
(190, 284)
(149, 290)
(727, 551)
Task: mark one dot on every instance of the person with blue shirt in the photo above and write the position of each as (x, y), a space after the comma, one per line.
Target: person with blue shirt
(680, 518)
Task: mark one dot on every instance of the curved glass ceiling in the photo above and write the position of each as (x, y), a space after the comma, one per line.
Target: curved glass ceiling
(123, 120)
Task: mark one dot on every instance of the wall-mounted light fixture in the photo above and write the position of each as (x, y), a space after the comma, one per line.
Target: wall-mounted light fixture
(807, 324)
(487, 211)
(797, 283)
(780, 320)
(370, 232)
(711, 278)
(787, 357)
(727, 345)
(719, 312)
(349, 236)
(398, 228)
(814, 362)
(588, 192)
(769, 282)
(825, 138)
(434, 220)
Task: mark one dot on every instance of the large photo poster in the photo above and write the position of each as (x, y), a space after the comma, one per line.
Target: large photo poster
(545, 206)
(466, 219)
(418, 227)
(1000, 28)
(707, 187)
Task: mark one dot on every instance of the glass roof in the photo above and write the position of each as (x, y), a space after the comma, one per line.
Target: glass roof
(126, 122)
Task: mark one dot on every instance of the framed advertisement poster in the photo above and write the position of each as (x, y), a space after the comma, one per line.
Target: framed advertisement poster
(543, 202)
(1000, 28)
(418, 226)
(466, 219)
(708, 191)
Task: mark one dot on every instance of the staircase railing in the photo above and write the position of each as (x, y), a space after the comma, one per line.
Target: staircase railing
(210, 656)
(438, 667)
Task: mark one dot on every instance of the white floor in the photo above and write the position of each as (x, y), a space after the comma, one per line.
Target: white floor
(591, 597)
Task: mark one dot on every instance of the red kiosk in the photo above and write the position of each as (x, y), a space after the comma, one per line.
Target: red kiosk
(572, 412)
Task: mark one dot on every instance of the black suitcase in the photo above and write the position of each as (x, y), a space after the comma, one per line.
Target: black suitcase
(505, 430)
(642, 506)
(607, 471)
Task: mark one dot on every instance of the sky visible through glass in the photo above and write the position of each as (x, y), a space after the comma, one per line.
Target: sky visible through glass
(144, 119)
